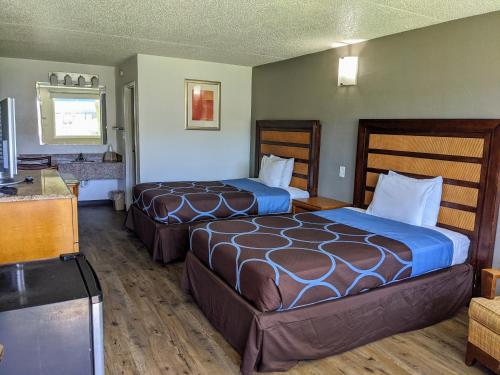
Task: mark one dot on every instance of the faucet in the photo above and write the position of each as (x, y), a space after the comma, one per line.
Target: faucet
(80, 157)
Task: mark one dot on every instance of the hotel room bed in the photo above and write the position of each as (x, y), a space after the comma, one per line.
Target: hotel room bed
(191, 201)
(310, 285)
(277, 340)
(162, 212)
(289, 261)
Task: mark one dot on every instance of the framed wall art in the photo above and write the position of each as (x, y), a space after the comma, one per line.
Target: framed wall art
(202, 104)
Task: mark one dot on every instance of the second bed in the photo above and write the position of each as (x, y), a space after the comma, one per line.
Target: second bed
(163, 211)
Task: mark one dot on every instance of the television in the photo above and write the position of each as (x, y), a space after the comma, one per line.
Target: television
(8, 153)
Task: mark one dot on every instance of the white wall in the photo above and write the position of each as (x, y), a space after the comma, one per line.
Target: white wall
(97, 189)
(18, 78)
(167, 150)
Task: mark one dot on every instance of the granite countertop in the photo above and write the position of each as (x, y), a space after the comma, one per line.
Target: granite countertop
(93, 168)
(47, 184)
(69, 178)
(97, 170)
(67, 158)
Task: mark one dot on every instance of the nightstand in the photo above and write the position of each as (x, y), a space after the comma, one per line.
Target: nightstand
(316, 204)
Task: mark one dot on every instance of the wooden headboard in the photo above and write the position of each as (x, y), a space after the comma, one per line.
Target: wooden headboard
(465, 152)
(299, 139)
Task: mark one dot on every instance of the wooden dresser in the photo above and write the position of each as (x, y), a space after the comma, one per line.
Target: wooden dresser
(41, 221)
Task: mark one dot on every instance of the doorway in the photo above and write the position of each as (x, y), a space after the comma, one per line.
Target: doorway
(131, 139)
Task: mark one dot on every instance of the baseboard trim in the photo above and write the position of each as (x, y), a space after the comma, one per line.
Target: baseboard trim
(98, 202)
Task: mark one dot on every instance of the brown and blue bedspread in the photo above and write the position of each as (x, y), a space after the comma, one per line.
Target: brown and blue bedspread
(289, 261)
(190, 201)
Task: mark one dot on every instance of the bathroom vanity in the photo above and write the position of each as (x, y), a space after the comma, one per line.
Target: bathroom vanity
(96, 178)
(40, 221)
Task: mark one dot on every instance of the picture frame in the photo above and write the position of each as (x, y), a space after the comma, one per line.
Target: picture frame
(202, 104)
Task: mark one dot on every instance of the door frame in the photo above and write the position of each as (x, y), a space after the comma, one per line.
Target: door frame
(132, 160)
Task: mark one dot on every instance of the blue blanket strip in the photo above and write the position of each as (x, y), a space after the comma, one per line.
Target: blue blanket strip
(270, 200)
(430, 249)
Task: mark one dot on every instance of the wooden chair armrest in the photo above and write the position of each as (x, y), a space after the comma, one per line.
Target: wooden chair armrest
(489, 278)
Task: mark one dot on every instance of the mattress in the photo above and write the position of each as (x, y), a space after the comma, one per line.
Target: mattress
(461, 243)
(289, 261)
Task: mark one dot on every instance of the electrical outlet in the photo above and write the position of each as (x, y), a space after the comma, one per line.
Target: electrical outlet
(342, 171)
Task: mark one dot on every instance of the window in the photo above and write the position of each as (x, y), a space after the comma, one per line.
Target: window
(71, 115)
(76, 117)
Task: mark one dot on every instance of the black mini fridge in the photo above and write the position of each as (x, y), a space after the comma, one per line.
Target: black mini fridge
(51, 318)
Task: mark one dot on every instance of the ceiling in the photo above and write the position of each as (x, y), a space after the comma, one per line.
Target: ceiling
(243, 32)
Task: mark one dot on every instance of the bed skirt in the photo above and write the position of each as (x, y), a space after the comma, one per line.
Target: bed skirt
(165, 242)
(276, 341)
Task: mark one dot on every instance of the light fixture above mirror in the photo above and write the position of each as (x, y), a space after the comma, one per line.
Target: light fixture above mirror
(74, 79)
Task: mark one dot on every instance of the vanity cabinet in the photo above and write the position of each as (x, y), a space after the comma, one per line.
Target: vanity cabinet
(41, 221)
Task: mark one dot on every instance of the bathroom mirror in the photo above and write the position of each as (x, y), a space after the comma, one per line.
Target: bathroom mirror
(71, 115)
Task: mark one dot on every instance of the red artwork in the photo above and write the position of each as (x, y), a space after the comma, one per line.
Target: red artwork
(202, 105)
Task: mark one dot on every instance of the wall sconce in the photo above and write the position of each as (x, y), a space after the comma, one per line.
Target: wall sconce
(348, 71)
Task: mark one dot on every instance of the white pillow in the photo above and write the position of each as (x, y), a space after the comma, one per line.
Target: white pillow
(271, 171)
(399, 199)
(263, 162)
(286, 177)
(433, 204)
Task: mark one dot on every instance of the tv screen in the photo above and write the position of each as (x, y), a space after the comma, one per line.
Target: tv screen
(8, 154)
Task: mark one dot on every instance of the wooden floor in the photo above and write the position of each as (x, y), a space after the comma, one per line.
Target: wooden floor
(152, 327)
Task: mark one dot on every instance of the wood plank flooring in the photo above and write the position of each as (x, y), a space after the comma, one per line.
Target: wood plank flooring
(152, 327)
